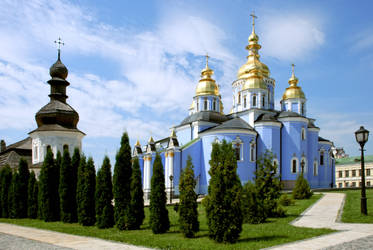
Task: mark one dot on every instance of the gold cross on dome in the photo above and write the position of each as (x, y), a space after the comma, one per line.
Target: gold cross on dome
(207, 60)
(59, 43)
(253, 16)
(292, 68)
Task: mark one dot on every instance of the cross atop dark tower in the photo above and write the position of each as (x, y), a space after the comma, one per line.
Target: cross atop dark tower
(59, 43)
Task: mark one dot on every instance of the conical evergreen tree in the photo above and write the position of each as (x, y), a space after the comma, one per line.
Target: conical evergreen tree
(136, 212)
(121, 183)
(223, 202)
(24, 175)
(104, 196)
(66, 188)
(14, 197)
(75, 161)
(86, 192)
(6, 180)
(301, 189)
(268, 185)
(188, 214)
(48, 189)
(32, 204)
(159, 221)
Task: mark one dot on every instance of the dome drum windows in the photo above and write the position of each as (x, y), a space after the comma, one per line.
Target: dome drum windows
(294, 165)
(238, 148)
(252, 151)
(303, 134)
(254, 100)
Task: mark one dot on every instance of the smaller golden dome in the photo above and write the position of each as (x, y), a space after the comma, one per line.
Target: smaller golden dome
(207, 85)
(173, 133)
(137, 143)
(293, 91)
(151, 140)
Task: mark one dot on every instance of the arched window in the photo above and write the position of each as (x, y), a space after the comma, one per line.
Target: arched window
(237, 145)
(205, 104)
(303, 134)
(302, 109)
(239, 98)
(252, 152)
(322, 157)
(294, 165)
(197, 105)
(254, 100)
(263, 101)
(315, 171)
(214, 105)
(244, 101)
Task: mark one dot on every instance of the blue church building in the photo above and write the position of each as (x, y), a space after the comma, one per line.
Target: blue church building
(253, 126)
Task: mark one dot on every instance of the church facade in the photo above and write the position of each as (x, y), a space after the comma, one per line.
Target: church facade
(253, 126)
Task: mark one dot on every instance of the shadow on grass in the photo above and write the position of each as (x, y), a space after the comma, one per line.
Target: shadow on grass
(263, 238)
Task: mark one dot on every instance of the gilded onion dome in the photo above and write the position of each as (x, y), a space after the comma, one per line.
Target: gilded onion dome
(253, 62)
(207, 85)
(293, 91)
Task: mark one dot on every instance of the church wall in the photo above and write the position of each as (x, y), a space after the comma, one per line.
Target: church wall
(291, 148)
(196, 152)
(268, 139)
(312, 140)
(326, 170)
(245, 168)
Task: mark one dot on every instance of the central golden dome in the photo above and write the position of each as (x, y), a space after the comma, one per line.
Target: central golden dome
(207, 85)
(253, 61)
(293, 91)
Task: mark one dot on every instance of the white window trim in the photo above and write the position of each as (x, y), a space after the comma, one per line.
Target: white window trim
(296, 167)
(234, 143)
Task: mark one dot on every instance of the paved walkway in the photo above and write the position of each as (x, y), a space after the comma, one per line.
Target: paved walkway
(62, 239)
(323, 214)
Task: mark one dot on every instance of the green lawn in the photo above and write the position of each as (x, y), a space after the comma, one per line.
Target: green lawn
(351, 211)
(274, 232)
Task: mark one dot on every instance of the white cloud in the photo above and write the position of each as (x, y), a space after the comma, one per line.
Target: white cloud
(158, 76)
(291, 37)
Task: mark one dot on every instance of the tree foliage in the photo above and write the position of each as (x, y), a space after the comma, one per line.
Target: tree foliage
(104, 196)
(252, 208)
(48, 189)
(188, 214)
(136, 212)
(75, 161)
(122, 182)
(86, 192)
(14, 197)
(66, 188)
(301, 189)
(5, 182)
(159, 221)
(32, 203)
(223, 202)
(24, 175)
(268, 185)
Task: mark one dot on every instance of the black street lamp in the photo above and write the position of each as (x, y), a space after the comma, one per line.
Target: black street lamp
(171, 179)
(362, 137)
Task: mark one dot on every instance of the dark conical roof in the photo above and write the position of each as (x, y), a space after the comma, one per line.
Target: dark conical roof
(57, 114)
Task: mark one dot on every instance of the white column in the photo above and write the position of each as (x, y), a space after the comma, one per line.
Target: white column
(166, 168)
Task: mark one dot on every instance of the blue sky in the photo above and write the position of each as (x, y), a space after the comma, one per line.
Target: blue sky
(134, 65)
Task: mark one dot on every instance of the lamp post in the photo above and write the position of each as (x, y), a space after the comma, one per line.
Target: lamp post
(362, 137)
(171, 179)
(302, 166)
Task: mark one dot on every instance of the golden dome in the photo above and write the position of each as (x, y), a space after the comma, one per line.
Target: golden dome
(207, 85)
(253, 61)
(137, 143)
(293, 91)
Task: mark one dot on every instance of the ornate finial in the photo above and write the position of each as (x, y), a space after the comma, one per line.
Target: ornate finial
(253, 16)
(293, 79)
(137, 143)
(207, 60)
(292, 68)
(59, 43)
